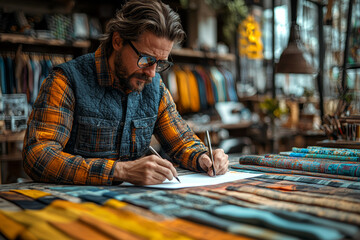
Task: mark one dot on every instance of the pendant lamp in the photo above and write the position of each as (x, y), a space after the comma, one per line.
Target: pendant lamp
(292, 58)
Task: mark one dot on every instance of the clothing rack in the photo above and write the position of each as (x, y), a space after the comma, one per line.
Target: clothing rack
(24, 72)
(197, 87)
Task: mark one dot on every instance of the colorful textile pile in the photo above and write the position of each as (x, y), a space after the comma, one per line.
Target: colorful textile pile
(313, 159)
(276, 206)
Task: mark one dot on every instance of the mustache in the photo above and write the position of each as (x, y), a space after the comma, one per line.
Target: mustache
(144, 77)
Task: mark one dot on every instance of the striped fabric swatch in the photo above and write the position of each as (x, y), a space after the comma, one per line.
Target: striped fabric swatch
(344, 228)
(329, 167)
(315, 180)
(239, 167)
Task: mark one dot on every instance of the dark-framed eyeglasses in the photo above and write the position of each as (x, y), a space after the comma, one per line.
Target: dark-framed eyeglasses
(145, 61)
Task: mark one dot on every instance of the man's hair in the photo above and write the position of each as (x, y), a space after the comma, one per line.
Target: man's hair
(139, 16)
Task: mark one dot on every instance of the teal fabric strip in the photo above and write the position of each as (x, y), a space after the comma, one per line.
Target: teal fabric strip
(323, 156)
(328, 151)
(270, 220)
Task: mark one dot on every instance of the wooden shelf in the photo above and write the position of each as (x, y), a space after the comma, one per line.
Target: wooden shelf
(339, 144)
(12, 137)
(22, 39)
(186, 52)
(11, 157)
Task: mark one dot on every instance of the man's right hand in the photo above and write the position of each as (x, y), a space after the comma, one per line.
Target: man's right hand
(144, 171)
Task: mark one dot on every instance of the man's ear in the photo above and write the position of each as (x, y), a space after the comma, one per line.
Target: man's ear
(117, 41)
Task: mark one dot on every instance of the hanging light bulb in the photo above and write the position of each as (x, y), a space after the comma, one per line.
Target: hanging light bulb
(292, 59)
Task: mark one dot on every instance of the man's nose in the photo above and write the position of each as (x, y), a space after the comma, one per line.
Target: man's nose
(150, 71)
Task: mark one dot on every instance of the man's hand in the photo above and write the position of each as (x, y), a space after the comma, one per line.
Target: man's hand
(221, 162)
(145, 171)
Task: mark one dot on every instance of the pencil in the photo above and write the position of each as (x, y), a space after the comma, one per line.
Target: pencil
(210, 151)
(156, 153)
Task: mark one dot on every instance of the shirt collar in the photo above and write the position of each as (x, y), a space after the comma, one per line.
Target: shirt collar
(104, 74)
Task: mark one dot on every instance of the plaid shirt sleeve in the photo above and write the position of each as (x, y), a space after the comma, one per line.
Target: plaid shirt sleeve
(175, 136)
(48, 131)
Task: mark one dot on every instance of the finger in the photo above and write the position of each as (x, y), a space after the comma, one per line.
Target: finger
(223, 169)
(168, 165)
(221, 161)
(165, 163)
(205, 162)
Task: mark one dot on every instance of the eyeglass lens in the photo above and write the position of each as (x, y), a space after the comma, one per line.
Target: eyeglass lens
(147, 61)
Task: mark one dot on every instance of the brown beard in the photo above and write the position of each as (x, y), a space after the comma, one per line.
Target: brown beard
(124, 78)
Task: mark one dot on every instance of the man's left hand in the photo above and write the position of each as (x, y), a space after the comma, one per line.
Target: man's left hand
(221, 162)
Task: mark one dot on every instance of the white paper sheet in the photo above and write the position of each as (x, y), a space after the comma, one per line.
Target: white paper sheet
(199, 179)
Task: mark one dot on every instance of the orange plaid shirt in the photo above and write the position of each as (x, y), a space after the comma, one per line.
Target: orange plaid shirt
(50, 124)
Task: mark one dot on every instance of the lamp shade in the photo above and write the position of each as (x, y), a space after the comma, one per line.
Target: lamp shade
(292, 59)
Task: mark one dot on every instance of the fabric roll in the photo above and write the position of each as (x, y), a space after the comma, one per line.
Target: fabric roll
(328, 151)
(272, 221)
(329, 167)
(322, 156)
(238, 167)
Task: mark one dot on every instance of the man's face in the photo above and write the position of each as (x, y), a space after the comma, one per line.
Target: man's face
(126, 69)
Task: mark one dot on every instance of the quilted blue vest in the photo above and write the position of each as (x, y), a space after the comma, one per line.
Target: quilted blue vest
(102, 127)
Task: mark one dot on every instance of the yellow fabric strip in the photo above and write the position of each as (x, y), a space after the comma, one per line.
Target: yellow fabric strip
(144, 227)
(107, 229)
(36, 226)
(115, 203)
(9, 228)
(53, 214)
(32, 193)
(77, 230)
(199, 231)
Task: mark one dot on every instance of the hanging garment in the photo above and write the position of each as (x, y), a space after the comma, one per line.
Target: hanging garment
(230, 84)
(10, 78)
(193, 90)
(184, 104)
(37, 74)
(209, 86)
(3, 76)
(202, 90)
